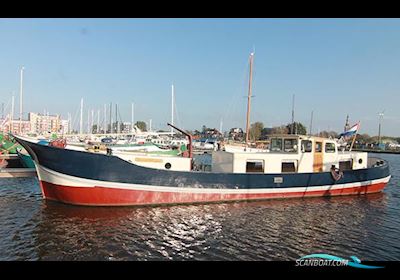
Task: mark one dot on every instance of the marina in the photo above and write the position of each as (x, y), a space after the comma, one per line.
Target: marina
(158, 157)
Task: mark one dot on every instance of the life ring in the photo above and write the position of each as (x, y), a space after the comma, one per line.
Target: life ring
(336, 173)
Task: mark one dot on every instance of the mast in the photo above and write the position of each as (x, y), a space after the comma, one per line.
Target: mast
(380, 123)
(249, 99)
(312, 115)
(20, 100)
(132, 118)
(116, 118)
(111, 128)
(92, 122)
(105, 119)
(172, 108)
(12, 113)
(81, 120)
(69, 123)
(98, 122)
(346, 125)
(88, 121)
(293, 123)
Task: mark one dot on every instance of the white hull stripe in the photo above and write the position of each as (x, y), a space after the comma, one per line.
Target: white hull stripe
(57, 178)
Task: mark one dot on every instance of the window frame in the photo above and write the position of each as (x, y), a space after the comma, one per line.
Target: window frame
(311, 146)
(331, 151)
(256, 161)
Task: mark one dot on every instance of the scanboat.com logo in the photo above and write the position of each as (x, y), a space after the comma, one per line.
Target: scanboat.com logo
(329, 260)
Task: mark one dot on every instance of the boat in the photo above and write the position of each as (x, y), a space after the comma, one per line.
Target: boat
(25, 158)
(7, 146)
(296, 166)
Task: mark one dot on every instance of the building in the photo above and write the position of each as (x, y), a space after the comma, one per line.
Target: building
(236, 133)
(44, 123)
(15, 126)
(126, 128)
(64, 127)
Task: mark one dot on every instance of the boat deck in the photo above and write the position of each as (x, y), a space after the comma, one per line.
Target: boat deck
(17, 172)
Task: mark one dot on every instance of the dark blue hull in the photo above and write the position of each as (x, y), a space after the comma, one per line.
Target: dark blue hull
(99, 168)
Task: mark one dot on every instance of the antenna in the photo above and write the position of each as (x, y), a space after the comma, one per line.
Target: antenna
(311, 121)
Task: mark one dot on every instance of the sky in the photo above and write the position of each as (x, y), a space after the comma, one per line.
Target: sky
(334, 67)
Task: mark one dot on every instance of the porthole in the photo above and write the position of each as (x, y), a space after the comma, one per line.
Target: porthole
(360, 161)
(167, 165)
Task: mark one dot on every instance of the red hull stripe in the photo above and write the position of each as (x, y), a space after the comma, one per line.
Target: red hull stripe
(102, 196)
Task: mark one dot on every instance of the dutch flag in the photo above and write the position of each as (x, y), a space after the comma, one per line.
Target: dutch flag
(351, 131)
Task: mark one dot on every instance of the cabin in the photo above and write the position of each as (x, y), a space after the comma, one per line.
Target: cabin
(175, 163)
(290, 154)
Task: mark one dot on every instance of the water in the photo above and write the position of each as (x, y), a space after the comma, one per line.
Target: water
(365, 226)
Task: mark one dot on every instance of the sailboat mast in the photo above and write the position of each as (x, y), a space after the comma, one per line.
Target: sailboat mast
(20, 101)
(81, 120)
(293, 122)
(132, 120)
(12, 113)
(111, 126)
(249, 99)
(98, 122)
(105, 119)
(172, 108)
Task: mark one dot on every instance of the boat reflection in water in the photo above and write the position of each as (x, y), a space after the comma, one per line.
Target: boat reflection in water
(262, 230)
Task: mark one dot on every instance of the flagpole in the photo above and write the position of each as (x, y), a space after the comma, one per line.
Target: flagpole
(354, 138)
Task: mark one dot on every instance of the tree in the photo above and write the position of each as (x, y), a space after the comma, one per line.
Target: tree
(280, 130)
(363, 138)
(296, 128)
(328, 134)
(141, 125)
(255, 130)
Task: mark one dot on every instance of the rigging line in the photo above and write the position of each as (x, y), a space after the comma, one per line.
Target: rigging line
(8, 103)
(74, 120)
(177, 115)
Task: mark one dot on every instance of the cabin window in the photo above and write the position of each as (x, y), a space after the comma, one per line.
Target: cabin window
(318, 147)
(255, 166)
(276, 144)
(288, 167)
(290, 145)
(330, 148)
(346, 165)
(306, 146)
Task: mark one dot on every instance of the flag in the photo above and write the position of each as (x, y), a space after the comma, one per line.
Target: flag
(351, 131)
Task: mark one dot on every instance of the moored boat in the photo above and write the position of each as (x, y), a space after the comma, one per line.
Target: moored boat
(295, 166)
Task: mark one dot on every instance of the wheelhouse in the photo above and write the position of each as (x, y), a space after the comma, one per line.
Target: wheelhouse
(290, 154)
